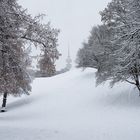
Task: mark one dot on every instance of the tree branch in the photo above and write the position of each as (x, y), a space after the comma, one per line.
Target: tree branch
(130, 82)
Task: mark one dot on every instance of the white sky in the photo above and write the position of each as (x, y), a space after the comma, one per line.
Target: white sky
(74, 18)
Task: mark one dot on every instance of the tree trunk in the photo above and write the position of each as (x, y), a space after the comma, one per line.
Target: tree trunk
(4, 102)
(5, 78)
(138, 83)
(138, 87)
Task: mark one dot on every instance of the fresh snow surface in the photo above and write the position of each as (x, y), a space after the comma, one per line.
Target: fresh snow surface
(70, 107)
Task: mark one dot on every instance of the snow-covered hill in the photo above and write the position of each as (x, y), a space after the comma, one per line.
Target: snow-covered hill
(71, 107)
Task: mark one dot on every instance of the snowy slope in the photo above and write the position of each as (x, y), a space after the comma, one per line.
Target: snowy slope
(70, 107)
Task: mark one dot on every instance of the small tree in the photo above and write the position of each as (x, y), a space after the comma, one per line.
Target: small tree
(46, 65)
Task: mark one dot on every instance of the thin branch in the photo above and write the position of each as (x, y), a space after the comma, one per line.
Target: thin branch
(130, 82)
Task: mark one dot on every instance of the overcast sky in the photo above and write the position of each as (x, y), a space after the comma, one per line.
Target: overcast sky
(74, 18)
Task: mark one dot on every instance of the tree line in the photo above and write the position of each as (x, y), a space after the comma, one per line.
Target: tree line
(18, 29)
(113, 48)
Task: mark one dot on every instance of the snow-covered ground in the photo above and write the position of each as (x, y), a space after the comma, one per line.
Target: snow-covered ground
(71, 107)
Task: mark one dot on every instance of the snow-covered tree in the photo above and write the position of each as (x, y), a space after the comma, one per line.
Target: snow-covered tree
(17, 29)
(50, 53)
(47, 63)
(123, 17)
(115, 44)
(86, 57)
(95, 50)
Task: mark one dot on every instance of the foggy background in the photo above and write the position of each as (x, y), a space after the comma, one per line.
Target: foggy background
(74, 18)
